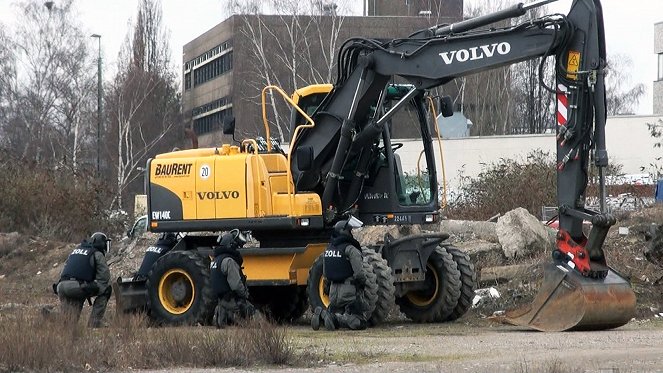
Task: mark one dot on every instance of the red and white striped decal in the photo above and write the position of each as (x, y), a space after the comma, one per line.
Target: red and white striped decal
(562, 105)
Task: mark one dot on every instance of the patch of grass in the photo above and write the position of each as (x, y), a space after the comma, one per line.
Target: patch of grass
(551, 366)
(31, 343)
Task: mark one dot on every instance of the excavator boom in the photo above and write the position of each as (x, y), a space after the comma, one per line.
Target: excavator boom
(580, 290)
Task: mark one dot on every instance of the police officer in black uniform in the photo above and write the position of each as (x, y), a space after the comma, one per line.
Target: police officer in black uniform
(342, 266)
(229, 281)
(164, 244)
(86, 275)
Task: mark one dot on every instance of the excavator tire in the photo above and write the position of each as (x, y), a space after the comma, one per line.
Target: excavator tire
(386, 288)
(439, 299)
(468, 280)
(370, 295)
(179, 291)
(319, 296)
(282, 304)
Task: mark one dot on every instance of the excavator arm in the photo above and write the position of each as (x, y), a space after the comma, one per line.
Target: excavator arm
(346, 123)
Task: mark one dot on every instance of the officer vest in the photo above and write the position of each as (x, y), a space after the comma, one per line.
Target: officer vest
(152, 254)
(336, 265)
(78, 264)
(219, 280)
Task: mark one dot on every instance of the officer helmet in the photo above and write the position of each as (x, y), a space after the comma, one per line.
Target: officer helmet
(344, 227)
(169, 236)
(101, 242)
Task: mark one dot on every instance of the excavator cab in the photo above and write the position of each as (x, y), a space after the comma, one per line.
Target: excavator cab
(393, 192)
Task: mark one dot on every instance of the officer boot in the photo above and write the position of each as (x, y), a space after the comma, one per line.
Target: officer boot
(315, 320)
(329, 319)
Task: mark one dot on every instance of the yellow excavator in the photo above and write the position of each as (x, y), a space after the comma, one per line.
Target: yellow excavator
(341, 161)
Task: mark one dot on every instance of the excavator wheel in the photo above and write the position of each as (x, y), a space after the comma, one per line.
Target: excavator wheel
(468, 280)
(438, 300)
(319, 297)
(386, 289)
(282, 304)
(179, 291)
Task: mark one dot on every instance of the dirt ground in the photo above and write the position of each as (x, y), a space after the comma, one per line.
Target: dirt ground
(28, 265)
(457, 347)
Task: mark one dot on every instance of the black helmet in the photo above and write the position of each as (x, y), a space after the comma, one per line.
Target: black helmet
(100, 242)
(344, 227)
(168, 236)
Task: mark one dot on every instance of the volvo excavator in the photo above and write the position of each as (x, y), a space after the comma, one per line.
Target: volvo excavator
(342, 161)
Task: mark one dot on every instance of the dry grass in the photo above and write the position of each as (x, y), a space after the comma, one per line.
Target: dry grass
(31, 343)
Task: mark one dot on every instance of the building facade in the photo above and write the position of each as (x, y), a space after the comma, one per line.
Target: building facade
(225, 68)
(658, 83)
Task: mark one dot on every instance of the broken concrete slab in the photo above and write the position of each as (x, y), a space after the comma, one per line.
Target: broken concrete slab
(467, 229)
(521, 234)
(495, 275)
(372, 235)
(483, 253)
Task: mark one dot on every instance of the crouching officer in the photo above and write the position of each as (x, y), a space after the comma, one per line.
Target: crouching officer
(86, 275)
(229, 282)
(342, 266)
(164, 244)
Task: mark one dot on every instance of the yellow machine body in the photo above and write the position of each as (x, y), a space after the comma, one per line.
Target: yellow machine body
(196, 190)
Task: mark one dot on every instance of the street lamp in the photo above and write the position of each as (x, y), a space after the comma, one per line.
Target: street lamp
(98, 37)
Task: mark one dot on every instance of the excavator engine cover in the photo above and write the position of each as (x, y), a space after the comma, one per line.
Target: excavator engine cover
(567, 300)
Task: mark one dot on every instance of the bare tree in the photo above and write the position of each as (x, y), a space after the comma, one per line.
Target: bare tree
(622, 95)
(47, 84)
(304, 56)
(143, 102)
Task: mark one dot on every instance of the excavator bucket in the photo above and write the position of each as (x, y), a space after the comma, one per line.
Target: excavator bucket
(569, 301)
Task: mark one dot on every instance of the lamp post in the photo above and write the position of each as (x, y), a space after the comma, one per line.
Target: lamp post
(98, 37)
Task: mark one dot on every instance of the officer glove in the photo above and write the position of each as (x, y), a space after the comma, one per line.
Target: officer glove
(91, 288)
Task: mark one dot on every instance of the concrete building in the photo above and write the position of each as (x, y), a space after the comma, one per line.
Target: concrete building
(468, 155)
(411, 8)
(658, 84)
(223, 78)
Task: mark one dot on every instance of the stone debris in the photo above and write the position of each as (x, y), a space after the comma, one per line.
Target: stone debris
(521, 234)
(481, 294)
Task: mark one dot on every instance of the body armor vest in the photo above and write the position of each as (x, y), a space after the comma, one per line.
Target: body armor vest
(219, 280)
(152, 254)
(336, 265)
(78, 264)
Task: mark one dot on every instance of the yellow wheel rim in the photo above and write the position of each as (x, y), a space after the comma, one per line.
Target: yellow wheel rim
(324, 297)
(424, 297)
(176, 291)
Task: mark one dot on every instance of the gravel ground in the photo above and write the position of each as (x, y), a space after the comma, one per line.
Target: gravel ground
(637, 347)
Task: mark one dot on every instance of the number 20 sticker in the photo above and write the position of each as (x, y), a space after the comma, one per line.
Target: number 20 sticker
(205, 171)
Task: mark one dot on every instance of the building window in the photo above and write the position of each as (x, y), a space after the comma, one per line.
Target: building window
(660, 66)
(200, 110)
(212, 122)
(187, 81)
(212, 69)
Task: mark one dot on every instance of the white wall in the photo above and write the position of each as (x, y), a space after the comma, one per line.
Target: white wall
(628, 141)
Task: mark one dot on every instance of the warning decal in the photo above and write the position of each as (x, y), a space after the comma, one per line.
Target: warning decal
(573, 64)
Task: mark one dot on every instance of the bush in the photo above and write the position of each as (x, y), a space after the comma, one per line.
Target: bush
(30, 343)
(53, 203)
(505, 185)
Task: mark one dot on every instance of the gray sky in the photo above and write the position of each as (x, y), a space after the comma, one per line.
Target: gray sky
(629, 28)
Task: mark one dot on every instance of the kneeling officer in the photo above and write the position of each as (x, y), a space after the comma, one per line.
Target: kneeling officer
(229, 281)
(342, 266)
(86, 275)
(164, 244)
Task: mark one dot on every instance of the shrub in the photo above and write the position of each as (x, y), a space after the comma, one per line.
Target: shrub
(504, 185)
(52, 203)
